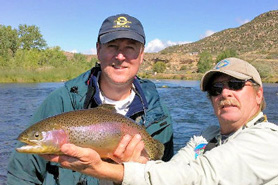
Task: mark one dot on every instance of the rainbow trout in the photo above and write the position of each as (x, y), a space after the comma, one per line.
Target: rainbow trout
(99, 128)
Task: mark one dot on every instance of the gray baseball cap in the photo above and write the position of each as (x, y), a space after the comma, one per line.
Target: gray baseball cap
(121, 26)
(234, 67)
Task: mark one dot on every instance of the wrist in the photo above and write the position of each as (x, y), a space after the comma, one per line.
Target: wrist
(108, 171)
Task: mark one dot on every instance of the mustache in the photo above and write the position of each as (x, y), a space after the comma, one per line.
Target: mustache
(229, 102)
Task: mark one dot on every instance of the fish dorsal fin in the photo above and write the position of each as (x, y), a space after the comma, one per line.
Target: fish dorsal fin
(107, 107)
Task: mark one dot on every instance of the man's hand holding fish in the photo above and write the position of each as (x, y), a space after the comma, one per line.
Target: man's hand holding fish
(88, 161)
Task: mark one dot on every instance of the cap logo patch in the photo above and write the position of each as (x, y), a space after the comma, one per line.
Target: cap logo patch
(221, 64)
(122, 22)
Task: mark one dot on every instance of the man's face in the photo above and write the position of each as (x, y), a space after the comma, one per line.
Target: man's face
(234, 108)
(120, 60)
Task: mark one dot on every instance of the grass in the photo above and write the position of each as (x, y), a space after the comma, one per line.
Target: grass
(19, 75)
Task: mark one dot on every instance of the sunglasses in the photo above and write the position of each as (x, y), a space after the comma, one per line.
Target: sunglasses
(233, 84)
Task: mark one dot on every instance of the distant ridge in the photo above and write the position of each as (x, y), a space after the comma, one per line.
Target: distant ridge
(259, 35)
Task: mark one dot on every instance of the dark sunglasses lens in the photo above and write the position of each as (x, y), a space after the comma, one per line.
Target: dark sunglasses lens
(216, 89)
(236, 84)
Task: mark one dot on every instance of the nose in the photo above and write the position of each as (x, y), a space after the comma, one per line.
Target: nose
(226, 92)
(120, 56)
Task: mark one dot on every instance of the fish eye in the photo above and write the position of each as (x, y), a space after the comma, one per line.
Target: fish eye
(37, 134)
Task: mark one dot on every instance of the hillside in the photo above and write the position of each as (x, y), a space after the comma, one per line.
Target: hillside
(258, 35)
(255, 42)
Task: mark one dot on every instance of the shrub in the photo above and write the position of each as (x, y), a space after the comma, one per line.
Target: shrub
(226, 54)
(205, 62)
(264, 69)
(159, 67)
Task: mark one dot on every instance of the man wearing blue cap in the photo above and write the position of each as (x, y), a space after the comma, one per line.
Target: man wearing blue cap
(120, 50)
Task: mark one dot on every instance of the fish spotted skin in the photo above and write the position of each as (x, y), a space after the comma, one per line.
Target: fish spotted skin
(99, 128)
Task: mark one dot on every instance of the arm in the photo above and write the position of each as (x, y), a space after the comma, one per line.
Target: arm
(249, 158)
(87, 161)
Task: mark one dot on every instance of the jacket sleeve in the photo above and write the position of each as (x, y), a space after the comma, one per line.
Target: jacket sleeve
(250, 158)
(28, 168)
(159, 172)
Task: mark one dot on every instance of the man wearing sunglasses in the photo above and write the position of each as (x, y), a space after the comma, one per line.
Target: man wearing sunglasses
(235, 90)
(242, 150)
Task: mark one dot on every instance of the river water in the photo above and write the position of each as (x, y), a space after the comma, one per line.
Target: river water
(190, 109)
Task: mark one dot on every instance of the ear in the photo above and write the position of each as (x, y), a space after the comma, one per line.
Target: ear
(142, 55)
(98, 46)
(259, 97)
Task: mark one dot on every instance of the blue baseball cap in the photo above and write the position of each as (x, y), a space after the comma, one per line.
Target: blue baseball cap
(121, 26)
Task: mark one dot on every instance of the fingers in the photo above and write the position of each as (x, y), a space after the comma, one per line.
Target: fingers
(66, 149)
(75, 158)
(73, 150)
(130, 149)
(139, 154)
(138, 150)
(122, 146)
(78, 156)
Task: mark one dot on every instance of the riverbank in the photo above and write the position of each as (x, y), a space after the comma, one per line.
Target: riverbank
(18, 75)
(64, 74)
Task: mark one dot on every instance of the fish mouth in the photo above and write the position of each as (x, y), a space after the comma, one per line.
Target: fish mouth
(31, 149)
(22, 138)
(31, 146)
(37, 147)
(27, 141)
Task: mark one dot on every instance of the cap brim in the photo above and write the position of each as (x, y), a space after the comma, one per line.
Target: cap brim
(208, 75)
(107, 37)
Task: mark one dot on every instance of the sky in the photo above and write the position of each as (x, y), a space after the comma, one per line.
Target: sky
(73, 25)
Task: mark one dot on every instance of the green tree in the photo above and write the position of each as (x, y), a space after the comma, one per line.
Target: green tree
(27, 59)
(30, 37)
(205, 62)
(159, 67)
(8, 43)
(80, 61)
(52, 57)
(78, 58)
(226, 54)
